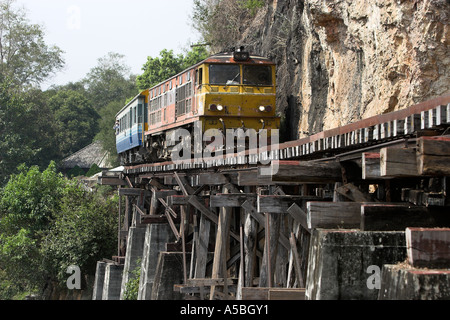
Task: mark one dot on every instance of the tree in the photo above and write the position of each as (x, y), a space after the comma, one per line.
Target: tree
(76, 121)
(106, 133)
(195, 55)
(29, 199)
(159, 68)
(220, 22)
(84, 231)
(15, 143)
(27, 206)
(24, 56)
(47, 223)
(167, 65)
(110, 81)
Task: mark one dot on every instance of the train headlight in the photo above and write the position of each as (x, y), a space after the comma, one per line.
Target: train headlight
(265, 108)
(216, 107)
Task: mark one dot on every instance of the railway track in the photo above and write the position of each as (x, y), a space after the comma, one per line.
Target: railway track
(428, 118)
(261, 215)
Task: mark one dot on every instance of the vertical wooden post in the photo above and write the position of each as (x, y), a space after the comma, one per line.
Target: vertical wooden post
(273, 221)
(222, 241)
(241, 280)
(119, 224)
(183, 240)
(194, 245)
(250, 239)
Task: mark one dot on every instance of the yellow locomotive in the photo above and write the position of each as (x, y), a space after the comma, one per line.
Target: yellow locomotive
(225, 91)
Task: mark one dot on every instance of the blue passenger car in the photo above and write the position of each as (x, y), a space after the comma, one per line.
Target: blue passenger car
(132, 123)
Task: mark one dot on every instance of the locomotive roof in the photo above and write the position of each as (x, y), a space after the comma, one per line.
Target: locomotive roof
(228, 57)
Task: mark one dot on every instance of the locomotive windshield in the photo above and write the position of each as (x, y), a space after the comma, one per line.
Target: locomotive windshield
(257, 75)
(225, 74)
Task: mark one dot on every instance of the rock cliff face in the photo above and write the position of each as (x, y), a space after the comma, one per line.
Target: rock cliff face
(345, 60)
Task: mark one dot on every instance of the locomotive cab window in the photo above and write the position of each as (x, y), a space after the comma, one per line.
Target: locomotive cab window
(224, 74)
(257, 75)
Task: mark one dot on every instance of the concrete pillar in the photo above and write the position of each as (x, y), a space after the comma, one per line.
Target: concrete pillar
(346, 264)
(99, 281)
(113, 281)
(399, 282)
(133, 256)
(169, 272)
(156, 237)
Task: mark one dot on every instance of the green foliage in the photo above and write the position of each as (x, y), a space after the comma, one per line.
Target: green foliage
(84, 230)
(110, 80)
(93, 170)
(76, 121)
(159, 68)
(24, 56)
(167, 65)
(29, 200)
(16, 145)
(48, 223)
(252, 5)
(132, 286)
(106, 133)
(75, 172)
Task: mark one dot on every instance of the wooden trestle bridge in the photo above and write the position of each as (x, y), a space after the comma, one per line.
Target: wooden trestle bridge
(245, 234)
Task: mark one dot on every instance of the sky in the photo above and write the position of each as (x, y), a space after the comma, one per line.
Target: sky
(87, 30)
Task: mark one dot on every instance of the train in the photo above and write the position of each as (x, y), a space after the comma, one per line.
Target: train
(227, 90)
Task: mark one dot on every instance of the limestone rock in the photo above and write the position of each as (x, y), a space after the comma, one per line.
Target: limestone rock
(342, 61)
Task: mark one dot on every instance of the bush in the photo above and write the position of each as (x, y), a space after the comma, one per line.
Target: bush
(48, 223)
(93, 170)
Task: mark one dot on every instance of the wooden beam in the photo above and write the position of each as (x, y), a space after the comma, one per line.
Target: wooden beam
(331, 215)
(433, 156)
(299, 215)
(371, 165)
(155, 183)
(287, 294)
(251, 178)
(111, 181)
(304, 171)
(249, 208)
(168, 208)
(294, 250)
(255, 293)
(208, 213)
(133, 192)
(351, 192)
(212, 178)
(398, 162)
(201, 207)
(222, 244)
(250, 245)
(273, 223)
(280, 204)
(208, 282)
(202, 247)
(422, 198)
(153, 219)
(394, 217)
(231, 199)
(186, 189)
